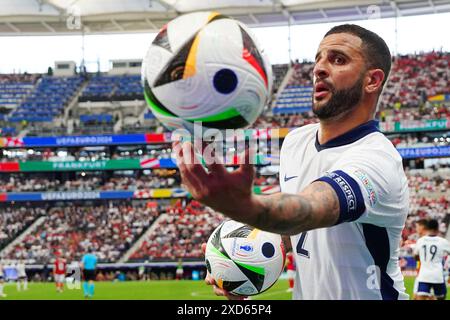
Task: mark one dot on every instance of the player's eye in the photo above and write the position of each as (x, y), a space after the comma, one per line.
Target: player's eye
(339, 60)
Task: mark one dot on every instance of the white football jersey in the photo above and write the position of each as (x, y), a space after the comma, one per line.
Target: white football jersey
(21, 270)
(358, 257)
(432, 250)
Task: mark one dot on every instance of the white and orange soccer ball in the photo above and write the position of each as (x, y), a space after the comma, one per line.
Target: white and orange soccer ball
(244, 260)
(206, 67)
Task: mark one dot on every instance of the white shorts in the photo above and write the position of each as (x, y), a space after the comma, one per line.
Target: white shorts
(59, 278)
(291, 274)
(179, 271)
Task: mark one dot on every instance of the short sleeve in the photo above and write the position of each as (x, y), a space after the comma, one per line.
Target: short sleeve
(447, 246)
(416, 247)
(374, 181)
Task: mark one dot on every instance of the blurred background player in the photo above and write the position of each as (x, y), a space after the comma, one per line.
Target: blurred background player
(447, 270)
(290, 266)
(431, 250)
(141, 273)
(59, 272)
(2, 281)
(22, 280)
(89, 265)
(180, 271)
(421, 230)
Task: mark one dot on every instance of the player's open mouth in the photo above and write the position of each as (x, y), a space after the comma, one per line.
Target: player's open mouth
(320, 90)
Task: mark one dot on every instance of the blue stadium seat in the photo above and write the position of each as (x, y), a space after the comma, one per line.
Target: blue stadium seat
(48, 99)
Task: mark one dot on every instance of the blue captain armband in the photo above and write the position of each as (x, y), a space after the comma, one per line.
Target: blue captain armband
(351, 200)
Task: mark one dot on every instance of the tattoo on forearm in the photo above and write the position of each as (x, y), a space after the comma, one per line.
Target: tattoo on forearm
(290, 214)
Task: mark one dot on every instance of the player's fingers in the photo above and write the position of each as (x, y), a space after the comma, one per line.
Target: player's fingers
(218, 291)
(209, 280)
(176, 146)
(188, 178)
(192, 163)
(246, 161)
(217, 165)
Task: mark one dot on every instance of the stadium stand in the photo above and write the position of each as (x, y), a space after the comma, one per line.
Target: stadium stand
(113, 88)
(168, 232)
(14, 89)
(159, 178)
(279, 72)
(48, 100)
(14, 220)
(109, 229)
(414, 78)
(179, 233)
(158, 151)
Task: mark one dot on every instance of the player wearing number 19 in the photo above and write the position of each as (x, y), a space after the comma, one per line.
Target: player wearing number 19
(431, 250)
(344, 198)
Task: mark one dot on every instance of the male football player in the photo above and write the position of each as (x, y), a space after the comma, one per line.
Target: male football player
(344, 198)
(432, 249)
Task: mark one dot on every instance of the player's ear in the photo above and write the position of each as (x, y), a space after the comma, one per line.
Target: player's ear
(374, 80)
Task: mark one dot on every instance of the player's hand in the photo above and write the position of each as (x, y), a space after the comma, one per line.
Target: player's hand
(209, 280)
(227, 192)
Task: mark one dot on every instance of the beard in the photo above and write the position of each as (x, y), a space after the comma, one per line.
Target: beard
(341, 101)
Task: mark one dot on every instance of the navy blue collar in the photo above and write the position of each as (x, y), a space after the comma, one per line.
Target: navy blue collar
(349, 137)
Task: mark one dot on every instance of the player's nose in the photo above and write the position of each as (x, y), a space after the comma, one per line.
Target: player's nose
(320, 70)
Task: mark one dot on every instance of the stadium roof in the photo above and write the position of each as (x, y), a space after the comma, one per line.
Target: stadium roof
(47, 17)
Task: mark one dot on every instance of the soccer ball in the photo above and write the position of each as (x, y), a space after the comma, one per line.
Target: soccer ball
(244, 260)
(206, 67)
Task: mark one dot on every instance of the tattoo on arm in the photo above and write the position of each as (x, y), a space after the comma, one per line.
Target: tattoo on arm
(315, 207)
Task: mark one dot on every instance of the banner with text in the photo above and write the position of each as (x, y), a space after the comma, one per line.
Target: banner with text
(110, 195)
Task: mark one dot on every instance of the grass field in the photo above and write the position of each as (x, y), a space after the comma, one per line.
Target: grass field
(152, 290)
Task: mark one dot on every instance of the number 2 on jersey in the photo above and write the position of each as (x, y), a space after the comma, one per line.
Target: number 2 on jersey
(300, 245)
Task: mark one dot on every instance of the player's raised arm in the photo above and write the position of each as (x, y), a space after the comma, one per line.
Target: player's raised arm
(317, 206)
(230, 193)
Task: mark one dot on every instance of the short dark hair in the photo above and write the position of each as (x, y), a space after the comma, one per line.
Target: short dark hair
(433, 225)
(376, 51)
(422, 222)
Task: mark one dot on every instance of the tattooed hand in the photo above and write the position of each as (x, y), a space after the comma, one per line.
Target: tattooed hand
(230, 193)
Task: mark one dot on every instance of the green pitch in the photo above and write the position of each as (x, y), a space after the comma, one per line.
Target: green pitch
(151, 290)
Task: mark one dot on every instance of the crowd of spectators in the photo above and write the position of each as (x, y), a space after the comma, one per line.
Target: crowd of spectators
(417, 140)
(425, 207)
(14, 220)
(279, 72)
(162, 151)
(436, 184)
(179, 234)
(108, 229)
(302, 74)
(112, 229)
(19, 78)
(429, 191)
(414, 78)
(158, 178)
